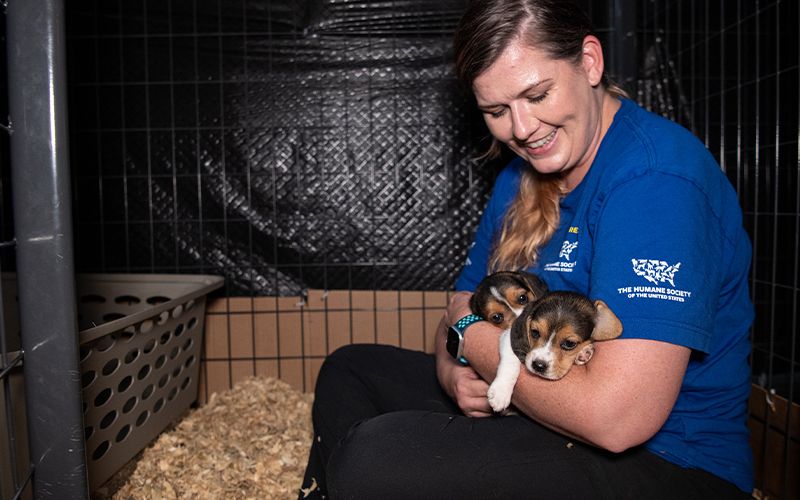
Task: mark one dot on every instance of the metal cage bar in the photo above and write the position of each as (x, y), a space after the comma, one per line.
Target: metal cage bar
(36, 51)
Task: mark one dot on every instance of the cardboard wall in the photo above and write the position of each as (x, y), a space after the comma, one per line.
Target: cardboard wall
(288, 337)
(775, 439)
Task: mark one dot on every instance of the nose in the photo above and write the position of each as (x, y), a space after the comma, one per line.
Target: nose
(539, 366)
(523, 122)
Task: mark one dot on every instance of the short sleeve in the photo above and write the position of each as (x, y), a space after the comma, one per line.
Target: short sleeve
(658, 253)
(476, 265)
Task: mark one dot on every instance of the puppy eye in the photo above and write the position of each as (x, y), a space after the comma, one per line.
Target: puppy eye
(496, 318)
(522, 299)
(569, 345)
(535, 333)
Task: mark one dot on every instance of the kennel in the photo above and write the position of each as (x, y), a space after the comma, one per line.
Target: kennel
(314, 152)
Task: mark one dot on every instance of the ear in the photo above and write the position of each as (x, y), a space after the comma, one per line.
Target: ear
(519, 330)
(606, 324)
(585, 354)
(475, 303)
(592, 59)
(535, 284)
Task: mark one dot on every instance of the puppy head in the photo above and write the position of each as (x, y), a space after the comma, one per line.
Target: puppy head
(558, 331)
(500, 297)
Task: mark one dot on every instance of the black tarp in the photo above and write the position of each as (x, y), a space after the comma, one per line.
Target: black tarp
(284, 145)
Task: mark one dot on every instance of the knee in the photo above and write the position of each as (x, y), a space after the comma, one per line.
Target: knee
(341, 376)
(347, 354)
(341, 362)
(352, 360)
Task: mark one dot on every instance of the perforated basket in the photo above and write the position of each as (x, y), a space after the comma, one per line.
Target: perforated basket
(141, 337)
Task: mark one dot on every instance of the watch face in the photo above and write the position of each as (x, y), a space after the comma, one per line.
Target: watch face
(453, 340)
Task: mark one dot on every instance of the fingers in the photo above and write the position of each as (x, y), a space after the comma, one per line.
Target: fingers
(469, 391)
(477, 407)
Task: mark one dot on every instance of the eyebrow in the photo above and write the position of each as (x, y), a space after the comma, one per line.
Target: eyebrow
(526, 90)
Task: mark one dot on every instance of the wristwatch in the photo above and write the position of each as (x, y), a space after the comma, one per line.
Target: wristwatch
(455, 337)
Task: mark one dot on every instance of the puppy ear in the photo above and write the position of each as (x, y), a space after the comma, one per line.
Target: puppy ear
(534, 283)
(585, 354)
(475, 303)
(520, 328)
(606, 324)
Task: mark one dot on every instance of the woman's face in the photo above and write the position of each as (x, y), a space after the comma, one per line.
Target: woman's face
(547, 111)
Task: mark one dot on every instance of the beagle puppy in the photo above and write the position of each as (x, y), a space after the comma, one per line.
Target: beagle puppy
(548, 332)
(500, 297)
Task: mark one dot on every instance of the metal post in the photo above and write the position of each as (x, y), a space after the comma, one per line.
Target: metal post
(40, 185)
(623, 55)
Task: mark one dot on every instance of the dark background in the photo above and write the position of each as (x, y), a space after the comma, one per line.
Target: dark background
(284, 145)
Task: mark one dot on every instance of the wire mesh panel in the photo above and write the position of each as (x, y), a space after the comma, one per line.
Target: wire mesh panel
(285, 145)
(729, 71)
(15, 463)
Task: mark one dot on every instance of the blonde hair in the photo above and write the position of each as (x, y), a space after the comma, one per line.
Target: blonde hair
(529, 223)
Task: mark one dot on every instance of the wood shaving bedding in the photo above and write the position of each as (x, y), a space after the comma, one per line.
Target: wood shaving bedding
(251, 441)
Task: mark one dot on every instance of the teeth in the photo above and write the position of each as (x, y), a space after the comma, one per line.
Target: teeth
(543, 141)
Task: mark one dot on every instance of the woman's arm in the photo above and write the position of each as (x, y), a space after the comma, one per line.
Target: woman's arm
(620, 399)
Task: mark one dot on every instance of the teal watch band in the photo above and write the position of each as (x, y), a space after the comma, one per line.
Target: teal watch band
(455, 337)
(467, 320)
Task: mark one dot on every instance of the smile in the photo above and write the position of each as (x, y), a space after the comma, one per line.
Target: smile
(543, 141)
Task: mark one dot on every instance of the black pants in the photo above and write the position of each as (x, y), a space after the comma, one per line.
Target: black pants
(384, 429)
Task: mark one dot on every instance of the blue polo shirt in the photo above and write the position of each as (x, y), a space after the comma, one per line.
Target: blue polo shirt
(655, 230)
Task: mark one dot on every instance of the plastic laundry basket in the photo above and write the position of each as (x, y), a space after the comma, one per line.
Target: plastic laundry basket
(141, 337)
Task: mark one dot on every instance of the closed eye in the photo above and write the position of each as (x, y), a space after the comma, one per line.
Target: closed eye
(537, 98)
(495, 113)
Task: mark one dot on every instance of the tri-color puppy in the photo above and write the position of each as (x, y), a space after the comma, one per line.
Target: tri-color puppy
(500, 297)
(550, 335)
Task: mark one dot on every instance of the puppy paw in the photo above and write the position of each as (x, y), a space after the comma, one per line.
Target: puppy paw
(499, 396)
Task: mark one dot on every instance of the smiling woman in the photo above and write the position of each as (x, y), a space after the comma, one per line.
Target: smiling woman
(598, 184)
(550, 112)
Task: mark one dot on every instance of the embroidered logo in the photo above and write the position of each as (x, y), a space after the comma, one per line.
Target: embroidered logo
(655, 271)
(567, 249)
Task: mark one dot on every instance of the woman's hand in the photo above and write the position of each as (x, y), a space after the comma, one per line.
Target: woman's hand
(465, 386)
(462, 383)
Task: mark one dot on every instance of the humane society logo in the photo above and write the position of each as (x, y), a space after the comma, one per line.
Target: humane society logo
(567, 249)
(655, 271)
(563, 266)
(659, 273)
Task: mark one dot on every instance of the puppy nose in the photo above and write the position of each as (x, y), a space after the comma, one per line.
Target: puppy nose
(539, 366)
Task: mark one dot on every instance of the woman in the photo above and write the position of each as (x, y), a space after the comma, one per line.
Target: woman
(605, 199)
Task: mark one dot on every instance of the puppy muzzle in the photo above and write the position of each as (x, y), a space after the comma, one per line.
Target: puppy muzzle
(539, 366)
